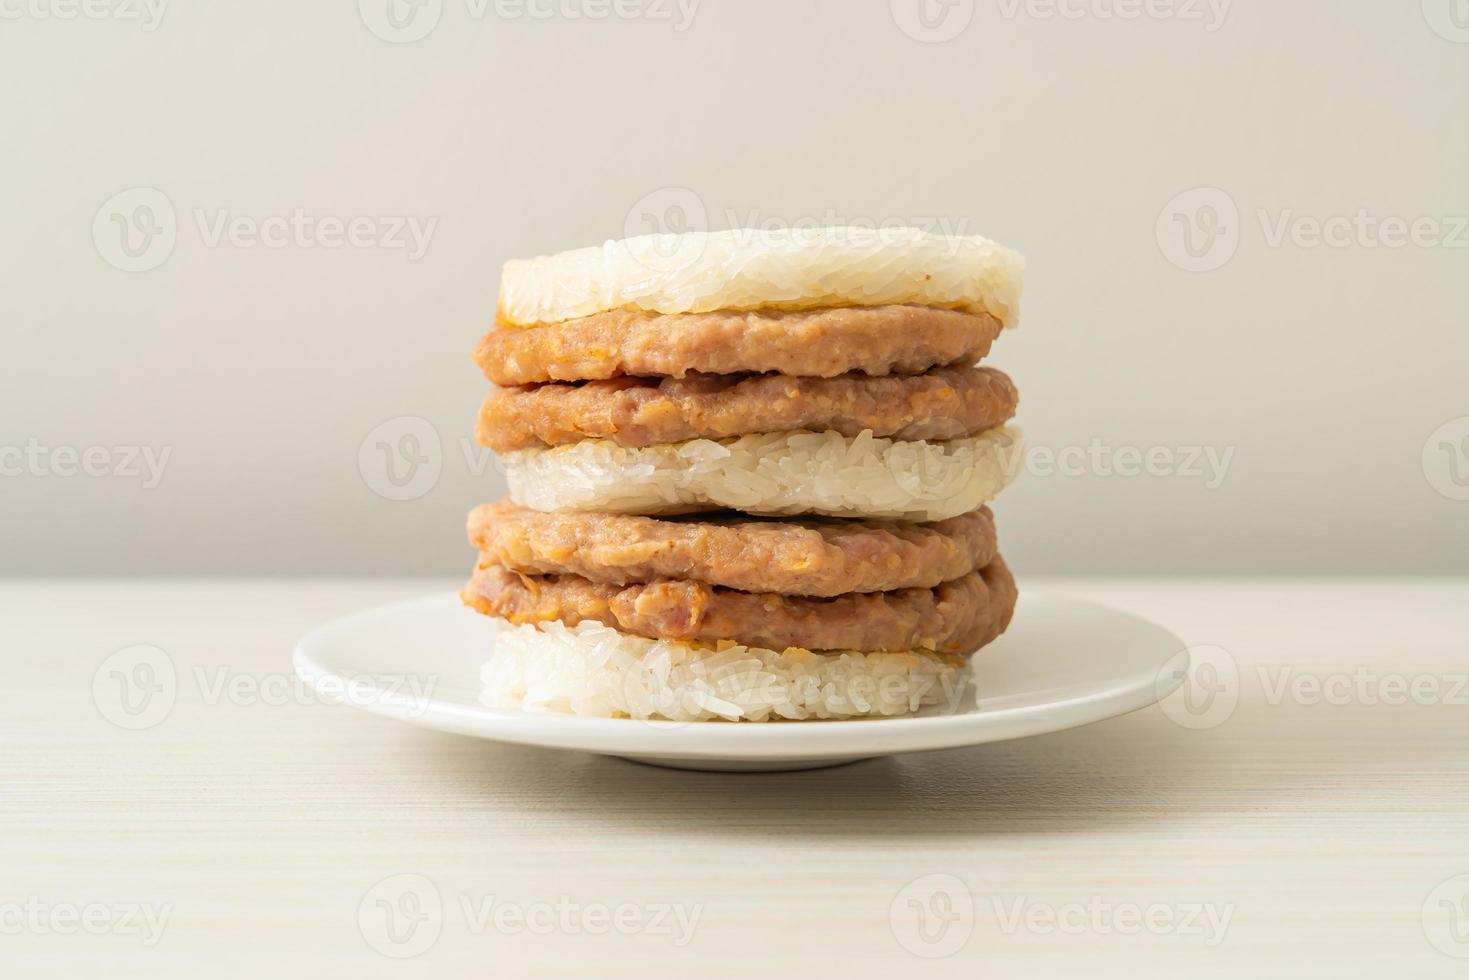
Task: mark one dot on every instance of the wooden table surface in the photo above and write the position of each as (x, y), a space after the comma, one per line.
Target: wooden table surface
(1320, 828)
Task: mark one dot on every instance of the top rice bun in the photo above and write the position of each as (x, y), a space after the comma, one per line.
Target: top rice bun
(748, 269)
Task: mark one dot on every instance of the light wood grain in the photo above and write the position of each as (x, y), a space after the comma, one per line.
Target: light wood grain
(1320, 828)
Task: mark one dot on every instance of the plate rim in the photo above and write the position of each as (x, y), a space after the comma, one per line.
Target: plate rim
(764, 741)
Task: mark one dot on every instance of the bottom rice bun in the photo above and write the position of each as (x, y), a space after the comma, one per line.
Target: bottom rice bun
(773, 473)
(593, 670)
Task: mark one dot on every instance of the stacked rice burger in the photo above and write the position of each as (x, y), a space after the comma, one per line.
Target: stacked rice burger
(748, 474)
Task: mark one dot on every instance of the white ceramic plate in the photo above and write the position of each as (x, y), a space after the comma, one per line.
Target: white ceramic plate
(1063, 663)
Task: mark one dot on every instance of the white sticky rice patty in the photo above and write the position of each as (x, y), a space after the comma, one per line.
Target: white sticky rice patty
(778, 473)
(749, 268)
(595, 671)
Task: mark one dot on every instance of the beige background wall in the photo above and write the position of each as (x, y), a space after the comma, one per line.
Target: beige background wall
(1245, 225)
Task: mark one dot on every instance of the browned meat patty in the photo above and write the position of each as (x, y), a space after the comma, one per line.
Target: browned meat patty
(957, 617)
(792, 557)
(810, 343)
(945, 403)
